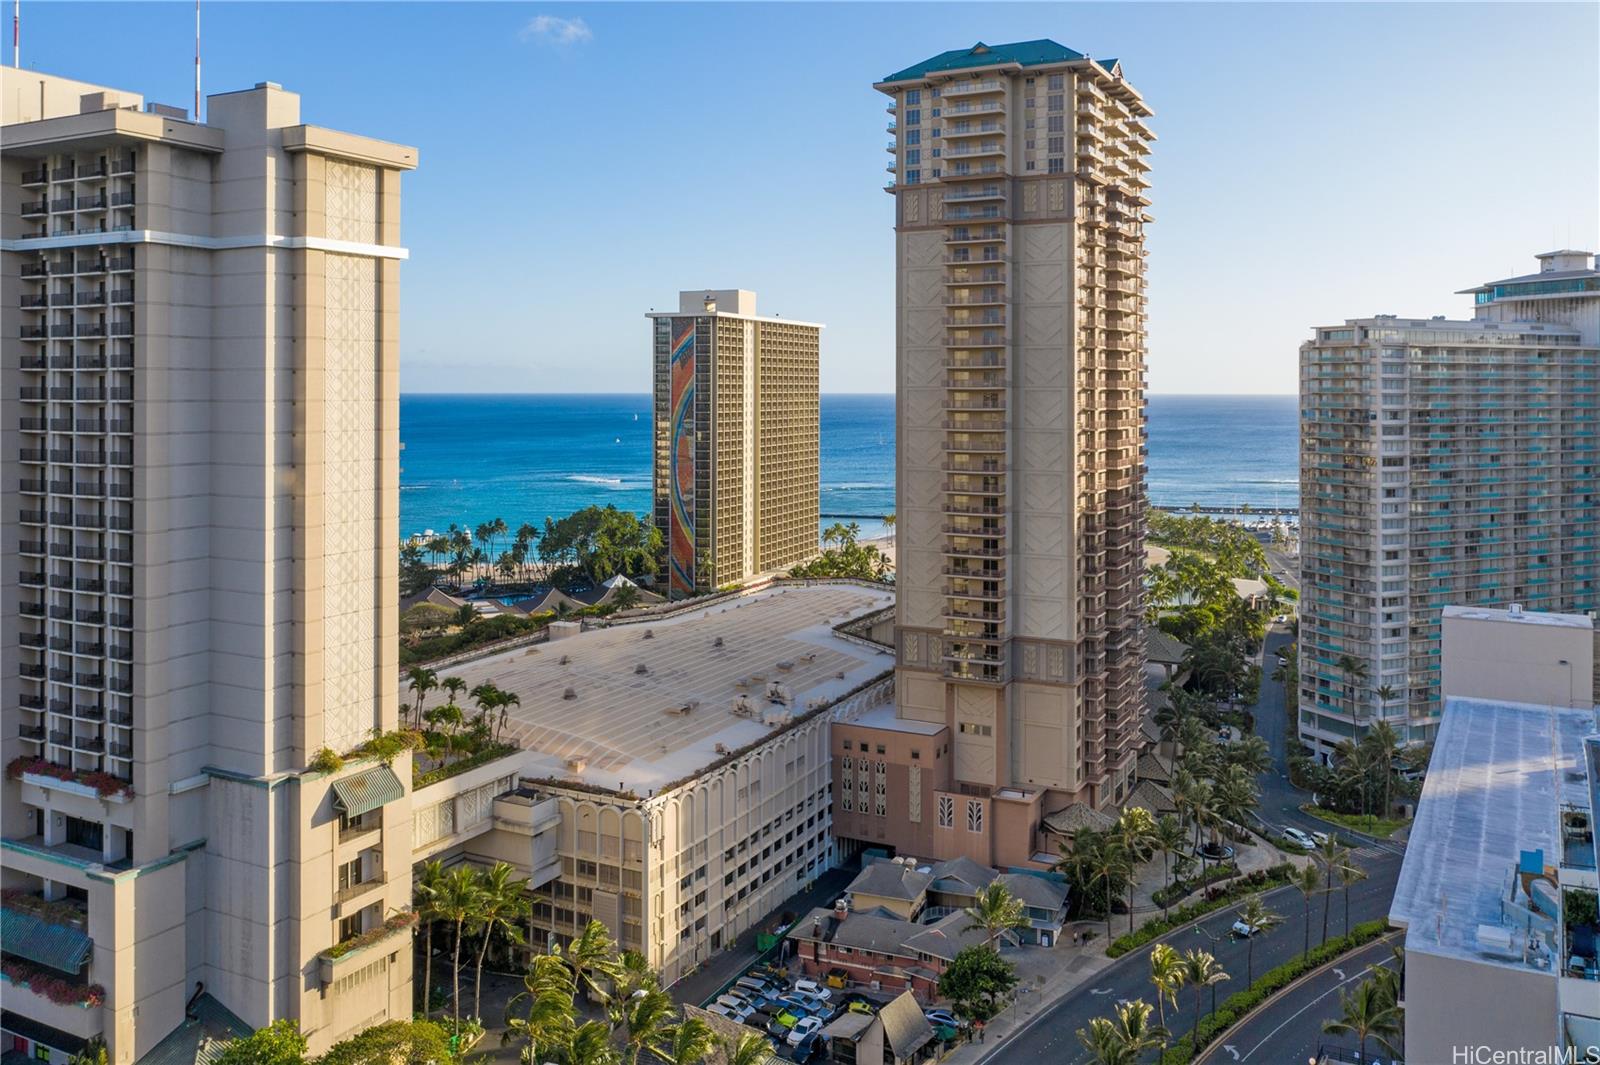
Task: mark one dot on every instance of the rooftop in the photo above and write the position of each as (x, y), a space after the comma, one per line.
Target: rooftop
(1498, 775)
(652, 702)
(883, 717)
(1519, 616)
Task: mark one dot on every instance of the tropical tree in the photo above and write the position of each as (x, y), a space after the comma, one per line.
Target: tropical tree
(1349, 873)
(502, 902)
(279, 1043)
(1200, 971)
(751, 1048)
(547, 1020)
(418, 1042)
(593, 958)
(1250, 754)
(459, 898)
(1331, 856)
(1355, 671)
(426, 887)
(422, 681)
(591, 1045)
(1255, 914)
(1364, 1014)
(689, 1042)
(996, 911)
(1123, 1038)
(626, 597)
(977, 980)
(1383, 745)
(506, 702)
(1309, 881)
(1135, 833)
(487, 695)
(1169, 839)
(645, 1019)
(1166, 973)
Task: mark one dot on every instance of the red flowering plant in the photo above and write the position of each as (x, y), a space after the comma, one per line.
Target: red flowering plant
(105, 784)
(57, 989)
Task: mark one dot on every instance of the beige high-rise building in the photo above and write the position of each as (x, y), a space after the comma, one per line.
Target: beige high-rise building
(200, 452)
(736, 439)
(1019, 213)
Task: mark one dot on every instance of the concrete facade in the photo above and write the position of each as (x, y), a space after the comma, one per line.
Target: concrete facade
(203, 328)
(737, 438)
(1442, 462)
(1020, 196)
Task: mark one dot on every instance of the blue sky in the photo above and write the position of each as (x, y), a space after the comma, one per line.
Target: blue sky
(582, 163)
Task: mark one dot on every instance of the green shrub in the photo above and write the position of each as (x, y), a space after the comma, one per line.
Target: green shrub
(1239, 1004)
(326, 760)
(1260, 880)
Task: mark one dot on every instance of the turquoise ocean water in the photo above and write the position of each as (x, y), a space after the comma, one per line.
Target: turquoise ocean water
(472, 458)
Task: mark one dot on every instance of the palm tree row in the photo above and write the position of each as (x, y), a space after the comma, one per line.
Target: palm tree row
(640, 1017)
(448, 720)
(468, 901)
(1128, 1035)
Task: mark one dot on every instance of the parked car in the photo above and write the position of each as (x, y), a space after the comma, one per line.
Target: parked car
(809, 1047)
(803, 1027)
(1299, 839)
(811, 999)
(860, 1005)
(720, 1010)
(776, 1027)
(754, 984)
(812, 988)
(1244, 929)
(944, 1017)
(733, 1002)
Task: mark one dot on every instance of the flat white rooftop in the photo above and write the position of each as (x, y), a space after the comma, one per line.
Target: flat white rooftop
(1498, 775)
(619, 722)
(1519, 617)
(883, 716)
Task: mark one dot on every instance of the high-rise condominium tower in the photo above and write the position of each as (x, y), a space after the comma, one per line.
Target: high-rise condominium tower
(736, 438)
(1019, 218)
(1442, 463)
(199, 517)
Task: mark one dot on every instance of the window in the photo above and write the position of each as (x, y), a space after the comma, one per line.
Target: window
(1057, 81)
(916, 755)
(1056, 124)
(968, 728)
(974, 815)
(880, 751)
(913, 156)
(1053, 102)
(863, 747)
(913, 96)
(913, 118)
(1055, 165)
(1057, 144)
(913, 177)
(845, 763)
(947, 812)
(350, 927)
(913, 136)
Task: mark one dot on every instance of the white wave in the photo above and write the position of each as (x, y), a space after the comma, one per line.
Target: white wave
(856, 486)
(588, 478)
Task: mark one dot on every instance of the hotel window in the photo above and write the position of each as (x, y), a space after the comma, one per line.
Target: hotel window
(913, 177)
(947, 812)
(913, 96)
(1055, 166)
(1056, 144)
(1056, 124)
(350, 927)
(913, 118)
(1057, 81)
(1053, 102)
(974, 815)
(913, 136)
(914, 155)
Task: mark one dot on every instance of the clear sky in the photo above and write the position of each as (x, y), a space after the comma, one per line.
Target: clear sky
(583, 162)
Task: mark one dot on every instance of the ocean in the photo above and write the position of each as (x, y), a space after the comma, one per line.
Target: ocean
(468, 459)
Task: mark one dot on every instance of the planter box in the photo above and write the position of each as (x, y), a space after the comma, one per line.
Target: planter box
(330, 968)
(71, 787)
(86, 1022)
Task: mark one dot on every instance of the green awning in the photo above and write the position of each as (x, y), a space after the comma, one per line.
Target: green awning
(356, 795)
(61, 947)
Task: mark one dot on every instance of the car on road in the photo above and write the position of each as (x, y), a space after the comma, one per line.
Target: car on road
(944, 1017)
(1320, 838)
(803, 1027)
(1244, 929)
(812, 989)
(1299, 839)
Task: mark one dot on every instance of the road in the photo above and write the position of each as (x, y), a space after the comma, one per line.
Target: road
(1052, 1035)
(1289, 1029)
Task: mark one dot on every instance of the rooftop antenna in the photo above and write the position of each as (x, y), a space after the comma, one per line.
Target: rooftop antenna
(197, 60)
(16, 33)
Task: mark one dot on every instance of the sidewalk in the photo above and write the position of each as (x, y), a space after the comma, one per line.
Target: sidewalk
(1037, 992)
(706, 981)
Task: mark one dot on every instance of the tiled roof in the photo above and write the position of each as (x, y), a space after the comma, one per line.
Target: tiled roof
(1024, 53)
(1152, 797)
(1152, 766)
(1163, 647)
(61, 946)
(946, 937)
(1039, 892)
(964, 870)
(1079, 815)
(200, 1037)
(355, 795)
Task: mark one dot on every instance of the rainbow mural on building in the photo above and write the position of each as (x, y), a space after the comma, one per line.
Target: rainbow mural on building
(680, 538)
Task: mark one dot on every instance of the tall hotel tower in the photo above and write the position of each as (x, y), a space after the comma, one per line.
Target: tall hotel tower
(1020, 333)
(199, 519)
(1443, 463)
(736, 440)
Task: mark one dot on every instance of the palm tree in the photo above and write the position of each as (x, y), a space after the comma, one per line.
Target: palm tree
(593, 957)
(487, 696)
(627, 597)
(1166, 973)
(453, 687)
(423, 681)
(548, 1022)
(458, 902)
(1250, 754)
(1169, 839)
(1365, 1015)
(1135, 833)
(591, 1045)
(1354, 671)
(1309, 881)
(646, 1019)
(1200, 971)
(507, 701)
(1331, 856)
(1349, 873)
(1255, 914)
(501, 904)
(689, 1042)
(1383, 743)
(1123, 1040)
(426, 887)
(751, 1048)
(996, 912)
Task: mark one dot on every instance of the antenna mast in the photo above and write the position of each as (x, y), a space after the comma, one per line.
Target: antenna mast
(197, 60)
(16, 33)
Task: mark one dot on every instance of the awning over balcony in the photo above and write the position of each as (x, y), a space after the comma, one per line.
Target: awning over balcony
(59, 946)
(358, 794)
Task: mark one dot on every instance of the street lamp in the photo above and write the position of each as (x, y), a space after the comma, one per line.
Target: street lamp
(1215, 940)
